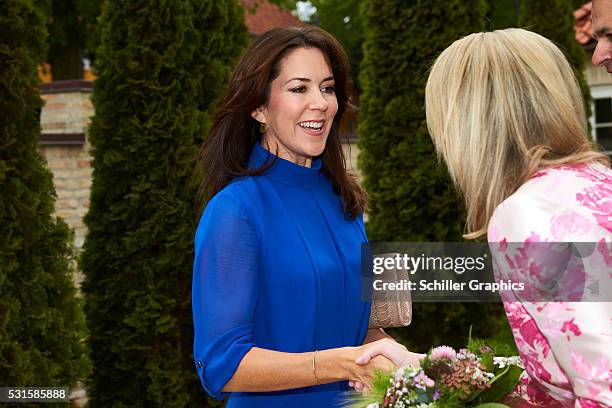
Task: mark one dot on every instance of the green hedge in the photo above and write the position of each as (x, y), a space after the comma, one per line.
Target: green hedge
(160, 65)
(412, 197)
(72, 34)
(42, 326)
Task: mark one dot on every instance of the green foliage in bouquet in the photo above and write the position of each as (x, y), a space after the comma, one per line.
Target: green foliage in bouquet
(411, 195)
(506, 374)
(380, 384)
(498, 348)
(554, 19)
(502, 384)
(160, 67)
(42, 326)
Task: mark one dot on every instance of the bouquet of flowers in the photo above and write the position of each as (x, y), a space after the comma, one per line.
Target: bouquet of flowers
(470, 377)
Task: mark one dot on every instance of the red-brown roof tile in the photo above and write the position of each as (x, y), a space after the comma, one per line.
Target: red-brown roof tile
(267, 16)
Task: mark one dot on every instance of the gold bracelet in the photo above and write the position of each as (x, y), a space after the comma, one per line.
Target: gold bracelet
(314, 370)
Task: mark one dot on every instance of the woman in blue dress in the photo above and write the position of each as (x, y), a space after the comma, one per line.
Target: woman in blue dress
(278, 313)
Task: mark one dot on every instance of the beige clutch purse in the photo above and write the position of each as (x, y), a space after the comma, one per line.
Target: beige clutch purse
(391, 308)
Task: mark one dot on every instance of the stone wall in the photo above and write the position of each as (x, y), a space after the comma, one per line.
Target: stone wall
(64, 121)
(72, 179)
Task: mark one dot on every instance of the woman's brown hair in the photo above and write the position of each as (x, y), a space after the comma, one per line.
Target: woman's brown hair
(226, 151)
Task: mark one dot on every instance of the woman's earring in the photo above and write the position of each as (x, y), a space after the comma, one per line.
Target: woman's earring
(263, 128)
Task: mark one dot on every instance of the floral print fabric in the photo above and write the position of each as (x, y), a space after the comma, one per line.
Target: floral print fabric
(566, 346)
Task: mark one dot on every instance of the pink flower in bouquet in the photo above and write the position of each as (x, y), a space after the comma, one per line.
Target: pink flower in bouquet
(422, 381)
(443, 353)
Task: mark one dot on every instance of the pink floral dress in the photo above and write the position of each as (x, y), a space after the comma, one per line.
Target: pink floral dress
(566, 347)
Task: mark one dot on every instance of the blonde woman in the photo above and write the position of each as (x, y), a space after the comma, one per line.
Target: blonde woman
(506, 114)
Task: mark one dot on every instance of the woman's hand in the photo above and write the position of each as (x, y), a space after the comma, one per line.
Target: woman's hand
(364, 372)
(394, 351)
(397, 353)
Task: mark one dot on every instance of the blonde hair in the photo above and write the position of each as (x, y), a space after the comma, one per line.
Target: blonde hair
(501, 105)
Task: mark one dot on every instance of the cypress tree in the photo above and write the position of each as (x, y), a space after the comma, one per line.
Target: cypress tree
(42, 326)
(343, 21)
(71, 25)
(160, 66)
(412, 197)
(554, 19)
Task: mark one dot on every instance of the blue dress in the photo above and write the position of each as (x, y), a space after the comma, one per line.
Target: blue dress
(277, 266)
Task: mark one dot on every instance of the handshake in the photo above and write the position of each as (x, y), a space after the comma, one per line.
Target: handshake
(381, 355)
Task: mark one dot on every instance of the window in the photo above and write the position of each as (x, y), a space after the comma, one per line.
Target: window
(601, 121)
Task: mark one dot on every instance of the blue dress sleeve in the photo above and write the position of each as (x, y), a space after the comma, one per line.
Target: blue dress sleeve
(224, 290)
